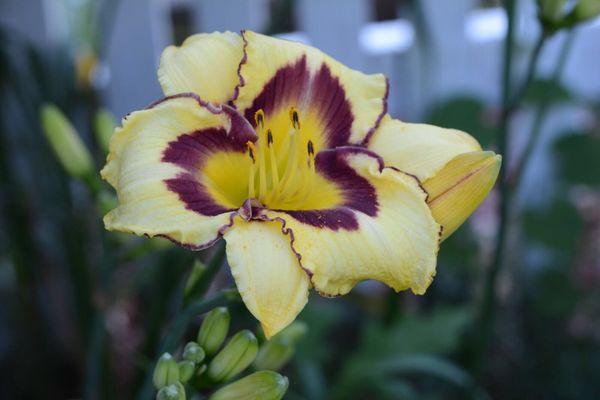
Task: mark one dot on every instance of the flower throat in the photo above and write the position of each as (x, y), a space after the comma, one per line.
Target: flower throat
(271, 185)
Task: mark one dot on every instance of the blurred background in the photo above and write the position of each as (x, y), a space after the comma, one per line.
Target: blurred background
(83, 312)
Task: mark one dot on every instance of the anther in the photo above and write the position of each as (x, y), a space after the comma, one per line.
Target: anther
(310, 148)
(295, 118)
(269, 137)
(259, 118)
(251, 150)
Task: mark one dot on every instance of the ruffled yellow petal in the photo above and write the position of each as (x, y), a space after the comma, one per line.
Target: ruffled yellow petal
(267, 273)
(345, 105)
(460, 187)
(205, 64)
(397, 246)
(419, 149)
(137, 170)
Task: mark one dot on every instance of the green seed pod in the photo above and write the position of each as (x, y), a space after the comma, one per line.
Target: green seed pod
(175, 391)
(213, 330)
(274, 354)
(166, 371)
(235, 357)
(193, 352)
(68, 147)
(186, 370)
(262, 385)
(104, 127)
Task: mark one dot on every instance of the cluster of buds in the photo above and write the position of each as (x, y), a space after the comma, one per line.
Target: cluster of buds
(555, 14)
(211, 361)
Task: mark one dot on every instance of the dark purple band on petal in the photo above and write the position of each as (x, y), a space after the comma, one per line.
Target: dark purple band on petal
(194, 195)
(293, 85)
(191, 150)
(359, 195)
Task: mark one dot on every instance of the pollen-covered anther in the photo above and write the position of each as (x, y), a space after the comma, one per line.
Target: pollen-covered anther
(259, 118)
(251, 151)
(295, 118)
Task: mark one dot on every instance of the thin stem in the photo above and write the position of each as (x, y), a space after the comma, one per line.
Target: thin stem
(509, 106)
(540, 115)
(178, 328)
(487, 306)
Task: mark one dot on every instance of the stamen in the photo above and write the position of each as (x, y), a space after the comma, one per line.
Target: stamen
(259, 118)
(274, 171)
(252, 169)
(311, 155)
(295, 118)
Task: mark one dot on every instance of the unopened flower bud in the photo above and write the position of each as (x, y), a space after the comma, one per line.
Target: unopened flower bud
(262, 385)
(175, 391)
(586, 9)
(293, 331)
(274, 354)
(201, 369)
(460, 186)
(277, 351)
(235, 357)
(214, 330)
(193, 352)
(104, 127)
(186, 370)
(191, 285)
(552, 10)
(166, 371)
(65, 142)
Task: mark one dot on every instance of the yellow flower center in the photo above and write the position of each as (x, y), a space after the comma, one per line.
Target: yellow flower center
(265, 182)
(278, 169)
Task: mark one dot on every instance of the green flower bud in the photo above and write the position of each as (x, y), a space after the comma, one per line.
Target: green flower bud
(293, 332)
(214, 330)
(190, 285)
(274, 354)
(262, 385)
(201, 369)
(104, 127)
(235, 357)
(175, 391)
(166, 371)
(586, 9)
(193, 352)
(552, 10)
(65, 142)
(186, 370)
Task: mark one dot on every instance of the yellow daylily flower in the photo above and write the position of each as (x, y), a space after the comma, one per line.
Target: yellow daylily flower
(290, 157)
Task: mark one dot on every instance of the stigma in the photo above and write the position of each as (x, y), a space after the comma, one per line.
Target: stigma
(279, 173)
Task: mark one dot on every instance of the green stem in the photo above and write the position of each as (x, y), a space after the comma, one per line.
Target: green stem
(540, 115)
(510, 103)
(178, 328)
(201, 286)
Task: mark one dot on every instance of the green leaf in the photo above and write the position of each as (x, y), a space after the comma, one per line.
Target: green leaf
(428, 365)
(579, 158)
(420, 333)
(547, 91)
(557, 227)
